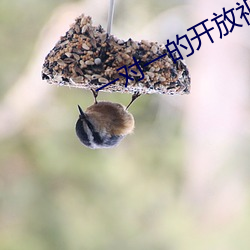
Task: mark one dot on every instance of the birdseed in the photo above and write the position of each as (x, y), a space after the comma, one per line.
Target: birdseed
(87, 57)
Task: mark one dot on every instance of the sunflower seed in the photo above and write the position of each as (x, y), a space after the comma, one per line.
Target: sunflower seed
(88, 77)
(77, 57)
(84, 29)
(64, 43)
(103, 37)
(120, 42)
(151, 74)
(77, 79)
(88, 62)
(69, 60)
(85, 46)
(119, 58)
(77, 29)
(152, 69)
(154, 49)
(145, 42)
(78, 70)
(102, 80)
(61, 62)
(134, 45)
(95, 76)
(68, 54)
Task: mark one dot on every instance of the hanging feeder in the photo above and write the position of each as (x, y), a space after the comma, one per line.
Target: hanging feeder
(89, 57)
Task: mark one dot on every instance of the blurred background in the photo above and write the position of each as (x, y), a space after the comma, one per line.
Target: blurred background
(180, 182)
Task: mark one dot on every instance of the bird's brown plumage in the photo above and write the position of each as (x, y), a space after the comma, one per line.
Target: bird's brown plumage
(112, 117)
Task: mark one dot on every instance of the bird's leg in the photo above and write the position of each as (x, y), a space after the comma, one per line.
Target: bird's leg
(95, 94)
(134, 97)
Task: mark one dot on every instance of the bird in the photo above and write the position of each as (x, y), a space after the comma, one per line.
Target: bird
(104, 124)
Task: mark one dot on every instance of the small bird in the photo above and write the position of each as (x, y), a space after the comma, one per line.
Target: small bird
(104, 124)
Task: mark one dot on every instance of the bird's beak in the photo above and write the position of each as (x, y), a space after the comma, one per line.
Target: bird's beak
(82, 115)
